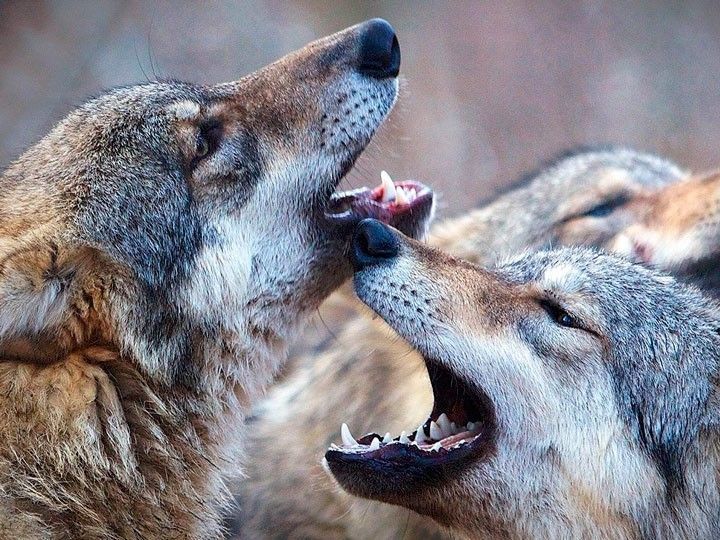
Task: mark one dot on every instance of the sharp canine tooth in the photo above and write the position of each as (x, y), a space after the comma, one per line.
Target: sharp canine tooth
(412, 194)
(420, 435)
(388, 187)
(435, 431)
(400, 196)
(387, 438)
(436, 447)
(375, 444)
(404, 438)
(347, 437)
(444, 423)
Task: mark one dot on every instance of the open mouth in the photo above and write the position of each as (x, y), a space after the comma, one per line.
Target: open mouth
(459, 431)
(390, 202)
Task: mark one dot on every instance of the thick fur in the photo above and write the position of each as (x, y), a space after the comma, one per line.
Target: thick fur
(369, 378)
(604, 428)
(157, 250)
(680, 231)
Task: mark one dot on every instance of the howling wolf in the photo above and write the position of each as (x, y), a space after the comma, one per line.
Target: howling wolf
(158, 248)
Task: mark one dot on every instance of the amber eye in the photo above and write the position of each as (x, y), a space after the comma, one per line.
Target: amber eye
(202, 147)
(207, 140)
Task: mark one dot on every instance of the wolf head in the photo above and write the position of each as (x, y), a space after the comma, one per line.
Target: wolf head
(582, 197)
(160, 215)
(678, 231)
(574, 393)
(638, 205)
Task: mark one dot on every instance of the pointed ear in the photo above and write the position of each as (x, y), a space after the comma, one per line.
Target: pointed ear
(34, 301)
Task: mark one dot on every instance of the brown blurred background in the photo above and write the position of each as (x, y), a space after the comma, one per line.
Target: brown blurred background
(490, 88)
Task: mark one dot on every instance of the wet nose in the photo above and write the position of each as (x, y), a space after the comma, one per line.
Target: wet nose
(373, 243)
(379, 54)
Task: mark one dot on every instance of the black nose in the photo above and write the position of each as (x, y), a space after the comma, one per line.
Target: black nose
(379, 55)
(373, 243)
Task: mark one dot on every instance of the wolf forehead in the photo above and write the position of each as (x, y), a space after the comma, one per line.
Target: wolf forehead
(134, 194)
(594, 276)
(125, 170)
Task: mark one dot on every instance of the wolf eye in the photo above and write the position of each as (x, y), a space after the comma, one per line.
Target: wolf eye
(202, 147)
(607, 207)
(559, 315)
(208, 139)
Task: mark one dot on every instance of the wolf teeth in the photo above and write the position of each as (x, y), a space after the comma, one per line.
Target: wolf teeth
(347, 437)
(400, 196)
(444, 422)
(435, 431)
(393, 193)
(440, 429)
(388, 187)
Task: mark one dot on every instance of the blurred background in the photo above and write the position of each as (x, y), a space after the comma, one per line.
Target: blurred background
(490, 89)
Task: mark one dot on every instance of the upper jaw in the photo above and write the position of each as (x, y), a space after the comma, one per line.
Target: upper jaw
(406, 205)
(356, 110)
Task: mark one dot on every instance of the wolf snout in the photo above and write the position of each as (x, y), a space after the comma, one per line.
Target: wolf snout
(373, 243)
(379, 54)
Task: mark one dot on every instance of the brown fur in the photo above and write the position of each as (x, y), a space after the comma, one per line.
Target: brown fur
(365, 375)
(157, 251)
(680, 231)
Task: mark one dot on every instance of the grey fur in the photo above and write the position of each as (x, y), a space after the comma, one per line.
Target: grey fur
(645, 352)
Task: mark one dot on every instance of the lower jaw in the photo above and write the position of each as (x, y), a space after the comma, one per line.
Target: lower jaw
(383, 468)
(395, 471)
(404, 478)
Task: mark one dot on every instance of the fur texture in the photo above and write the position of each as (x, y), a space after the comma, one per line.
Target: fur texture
(599, 379)
(158, 249)
(364, 375)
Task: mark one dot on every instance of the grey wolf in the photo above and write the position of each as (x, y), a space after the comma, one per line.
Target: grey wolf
(158, 250)
(679, 231)
(574, 395)
(365, 376)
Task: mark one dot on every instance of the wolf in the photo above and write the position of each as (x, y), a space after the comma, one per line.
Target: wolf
(365, 376)
(575, 395)
(158, 249)
(679, 231)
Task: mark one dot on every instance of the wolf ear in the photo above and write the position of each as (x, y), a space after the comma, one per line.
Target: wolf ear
(34, 300)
